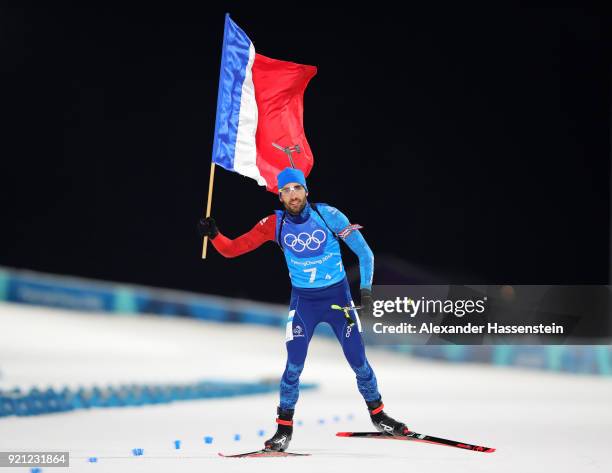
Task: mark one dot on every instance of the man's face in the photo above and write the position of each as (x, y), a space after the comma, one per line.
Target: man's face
(293, 196)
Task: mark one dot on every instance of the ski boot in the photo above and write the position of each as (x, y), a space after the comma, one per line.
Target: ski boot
(383, 422)
(280, 441)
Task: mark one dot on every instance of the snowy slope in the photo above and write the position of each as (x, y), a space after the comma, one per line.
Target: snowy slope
(538, 421)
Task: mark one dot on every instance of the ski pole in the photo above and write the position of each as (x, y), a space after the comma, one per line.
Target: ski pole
(346, 312)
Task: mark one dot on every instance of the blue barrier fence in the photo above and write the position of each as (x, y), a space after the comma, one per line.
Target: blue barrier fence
(86, 295)
(36, 401)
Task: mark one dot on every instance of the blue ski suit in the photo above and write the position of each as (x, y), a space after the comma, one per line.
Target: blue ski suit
(310, 242)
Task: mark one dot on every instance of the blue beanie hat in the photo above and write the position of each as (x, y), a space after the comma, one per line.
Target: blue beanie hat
(288, 175)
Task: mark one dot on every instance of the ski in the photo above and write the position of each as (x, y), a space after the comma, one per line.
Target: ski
(264, 453)
(415, 437)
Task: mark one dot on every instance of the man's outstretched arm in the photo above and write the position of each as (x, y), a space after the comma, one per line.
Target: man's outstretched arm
(263, 231)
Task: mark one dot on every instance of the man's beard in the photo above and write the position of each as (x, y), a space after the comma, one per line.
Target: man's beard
(297, 212)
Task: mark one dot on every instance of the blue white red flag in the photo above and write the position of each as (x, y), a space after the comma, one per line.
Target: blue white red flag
(260, 102)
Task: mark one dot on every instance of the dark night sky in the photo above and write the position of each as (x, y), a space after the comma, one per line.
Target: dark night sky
(472, 143)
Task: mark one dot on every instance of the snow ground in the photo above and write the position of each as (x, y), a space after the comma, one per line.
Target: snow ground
(538, 421)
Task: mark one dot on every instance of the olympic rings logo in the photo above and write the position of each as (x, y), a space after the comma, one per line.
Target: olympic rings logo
(304, 240)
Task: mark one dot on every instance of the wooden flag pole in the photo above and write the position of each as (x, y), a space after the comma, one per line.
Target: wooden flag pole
(211, 181)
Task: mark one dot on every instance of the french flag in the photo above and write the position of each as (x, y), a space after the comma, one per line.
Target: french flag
(260, 107)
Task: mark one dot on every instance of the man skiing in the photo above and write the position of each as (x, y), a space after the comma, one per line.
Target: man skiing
(309, 236)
